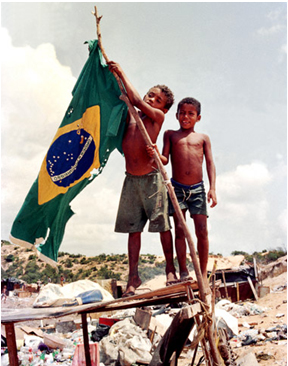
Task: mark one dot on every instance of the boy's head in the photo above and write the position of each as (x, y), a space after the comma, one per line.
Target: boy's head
(192, 101)
(166, 96)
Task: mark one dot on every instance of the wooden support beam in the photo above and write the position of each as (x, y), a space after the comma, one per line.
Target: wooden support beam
(11, 344)
(225, 286)
(237, 291)
(252, 288)
(86, 339)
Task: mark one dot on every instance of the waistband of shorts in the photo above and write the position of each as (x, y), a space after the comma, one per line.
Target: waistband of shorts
(184, 186)
(154, 172)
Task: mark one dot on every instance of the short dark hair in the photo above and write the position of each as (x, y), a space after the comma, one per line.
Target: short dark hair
(168, 93)
(192, 101)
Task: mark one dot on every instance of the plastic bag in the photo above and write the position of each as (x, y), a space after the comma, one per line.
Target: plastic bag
(100, 332)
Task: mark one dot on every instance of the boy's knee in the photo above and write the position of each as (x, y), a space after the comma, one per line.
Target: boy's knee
(202, 231)
(179, 233)
(135, 235)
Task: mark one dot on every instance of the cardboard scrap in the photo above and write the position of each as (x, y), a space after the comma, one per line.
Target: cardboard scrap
(34, 331)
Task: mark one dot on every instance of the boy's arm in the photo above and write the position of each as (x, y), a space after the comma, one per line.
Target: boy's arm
(165, 151)
(211, 172)
(166, 147)
(154, 114)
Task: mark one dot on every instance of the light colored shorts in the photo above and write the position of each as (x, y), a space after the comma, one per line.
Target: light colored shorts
(143, 198)
(192, 198)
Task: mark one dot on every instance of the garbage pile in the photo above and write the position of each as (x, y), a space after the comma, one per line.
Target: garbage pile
(241, 309)
(53, 350)
(249, 336)
(127, 338)
(122, 343)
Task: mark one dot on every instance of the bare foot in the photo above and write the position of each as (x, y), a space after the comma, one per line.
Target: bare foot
(171, 276)
(206, 286)
(171, 279)
(132, 284)
(184, 276)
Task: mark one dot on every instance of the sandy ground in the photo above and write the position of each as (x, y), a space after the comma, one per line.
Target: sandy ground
(274, 305)
(268, 353)
(222, 263)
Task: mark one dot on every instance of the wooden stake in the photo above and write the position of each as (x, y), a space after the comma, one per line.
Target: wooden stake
(237, 291)
(170, 189)
(11, 344)
(224, 281)
(86, 339)
(252, 288)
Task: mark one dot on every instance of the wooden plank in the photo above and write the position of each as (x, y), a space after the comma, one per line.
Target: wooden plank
(18, 315)
(237, 291)
(29, 330)
(252, 288)
(175, 337)
(173, 289)
(142, 318)
(255, 268)
(224, 281)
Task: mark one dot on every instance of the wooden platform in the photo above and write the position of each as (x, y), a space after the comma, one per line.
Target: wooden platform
(170, 294)
(179, 292)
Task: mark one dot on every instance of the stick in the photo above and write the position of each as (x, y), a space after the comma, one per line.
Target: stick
(86, 339)
(212, 275)
(252, 288)
(224, 281)
(11, 344)
(170, 189)
(237, 291)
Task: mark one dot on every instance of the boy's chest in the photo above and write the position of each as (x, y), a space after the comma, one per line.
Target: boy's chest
(134, 132)
(190, 142)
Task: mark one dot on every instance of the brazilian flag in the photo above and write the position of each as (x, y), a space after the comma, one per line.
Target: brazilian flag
(91, 129)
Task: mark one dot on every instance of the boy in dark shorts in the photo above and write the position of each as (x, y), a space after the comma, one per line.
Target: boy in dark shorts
(187, 149)
(144, 195)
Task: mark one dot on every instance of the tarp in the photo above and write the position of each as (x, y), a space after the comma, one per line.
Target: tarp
(57, 295)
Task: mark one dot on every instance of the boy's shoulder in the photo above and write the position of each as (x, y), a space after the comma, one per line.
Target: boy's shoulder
(172, 132)
(186, 133)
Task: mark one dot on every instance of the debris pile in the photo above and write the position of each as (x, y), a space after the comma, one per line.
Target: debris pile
(124, 342)
(132, 336)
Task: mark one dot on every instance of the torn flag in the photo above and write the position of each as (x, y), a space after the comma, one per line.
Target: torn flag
(91, 129)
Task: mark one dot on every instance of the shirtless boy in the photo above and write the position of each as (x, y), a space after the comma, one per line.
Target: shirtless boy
(144, 195)
(187, 149)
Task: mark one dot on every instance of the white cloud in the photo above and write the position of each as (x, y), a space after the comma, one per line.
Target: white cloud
(275, 14)
(271, 30)
(243, 183)
(36, 90)
(242, 212)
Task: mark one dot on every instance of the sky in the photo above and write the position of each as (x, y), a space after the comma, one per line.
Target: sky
(231, 56)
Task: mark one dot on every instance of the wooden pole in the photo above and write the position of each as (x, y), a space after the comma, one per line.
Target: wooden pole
(11, 344)
(225, 286)
(86, 339)
(170, 189)
(237, 291)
